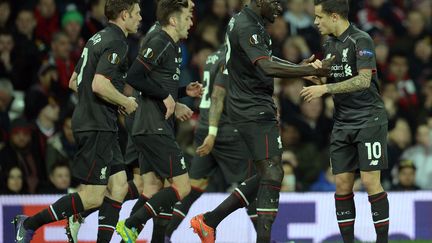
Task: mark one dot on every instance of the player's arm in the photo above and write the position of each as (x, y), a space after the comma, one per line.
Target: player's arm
(107, 67)
(215, 113)
(138, 78)
(73, 82)
(360, 82)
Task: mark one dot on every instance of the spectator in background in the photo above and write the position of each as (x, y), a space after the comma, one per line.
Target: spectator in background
(295, 49)
(72, 22)
(7, 56)
(61, 57)
(406, 177)
(27, 47)
(61, 146)
(421, 60)
(398, 73)
(6, 97)
(421, 155)
(398, 140)
(301, 23)
(278, 32)
(415, 26)
(313, 126)
(289, 98)
(19, 151)
(5, 13)
(59, 179)
(390, 96)
(47, 18)
(325, 182)
(13, 181)
(289, 180)
(96, 19)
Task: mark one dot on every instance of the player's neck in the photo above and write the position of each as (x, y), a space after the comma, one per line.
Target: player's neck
(171, 32)
(341, 28)
(120, 26)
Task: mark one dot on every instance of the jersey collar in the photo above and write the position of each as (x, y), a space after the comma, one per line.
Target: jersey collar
(346, 33)
(251, 14)
(117, 29)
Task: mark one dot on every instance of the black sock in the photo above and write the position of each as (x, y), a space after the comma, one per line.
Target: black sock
(239, 198)
(65, 207)
(108, 217)
(88, 212)
(165, 198)
(252, 213)
(345, 214)
(380, 214)
(132, 192)
(267, 207)
(181, 209)
(160, 224)
(139, 204)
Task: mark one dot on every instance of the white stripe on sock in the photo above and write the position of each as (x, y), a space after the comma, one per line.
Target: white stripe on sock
(267, 209)
(380, 221)
(107, 226)
(179, 212)
(243, 196)
(151, 208)
(345, 220)
(52, 210)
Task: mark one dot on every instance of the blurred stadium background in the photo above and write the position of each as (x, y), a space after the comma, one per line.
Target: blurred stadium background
(41, 40)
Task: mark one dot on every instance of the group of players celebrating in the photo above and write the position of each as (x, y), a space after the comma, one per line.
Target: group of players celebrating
(238, 130)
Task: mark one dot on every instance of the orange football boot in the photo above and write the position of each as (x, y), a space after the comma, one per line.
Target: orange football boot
(205, 232)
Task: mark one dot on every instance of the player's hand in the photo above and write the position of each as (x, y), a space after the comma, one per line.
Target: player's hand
(195, 89)
(307, 60)
(312, 92)
(183, 112)
(207, 146)
(170, 104)
(130, 106)
(324, 71)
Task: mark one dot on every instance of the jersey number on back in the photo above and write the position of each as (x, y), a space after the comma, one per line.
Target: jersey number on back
(84, 56)
(205, 100)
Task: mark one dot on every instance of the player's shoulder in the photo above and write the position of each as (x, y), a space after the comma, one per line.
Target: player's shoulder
(358, 34)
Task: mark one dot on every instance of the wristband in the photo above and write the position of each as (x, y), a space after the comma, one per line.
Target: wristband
(213, 130)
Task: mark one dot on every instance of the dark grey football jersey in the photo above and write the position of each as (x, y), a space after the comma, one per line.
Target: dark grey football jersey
(250, 90)
(161, 56)
(104, 54)
(354, 50)
(213, 75)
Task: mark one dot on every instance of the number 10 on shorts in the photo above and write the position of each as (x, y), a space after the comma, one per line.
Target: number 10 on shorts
(374, 152)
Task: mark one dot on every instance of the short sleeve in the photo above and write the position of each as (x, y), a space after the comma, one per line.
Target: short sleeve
(253, 43)
(111, 59)
(151, 52)
(365, 54)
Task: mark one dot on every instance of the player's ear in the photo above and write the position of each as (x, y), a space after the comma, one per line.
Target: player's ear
(123, 14)
(334, 17)
(173, 21)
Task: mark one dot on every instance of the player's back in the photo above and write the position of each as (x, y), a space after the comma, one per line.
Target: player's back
(104, 54)
(250, 89)
(213, 75)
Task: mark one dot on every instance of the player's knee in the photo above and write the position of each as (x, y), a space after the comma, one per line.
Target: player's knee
(271, 170)
(371, 183)
(94, 201)
(139, 184)
(199, 183)
(183, 190)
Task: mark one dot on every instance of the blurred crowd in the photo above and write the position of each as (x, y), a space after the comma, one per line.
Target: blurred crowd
(41, 41)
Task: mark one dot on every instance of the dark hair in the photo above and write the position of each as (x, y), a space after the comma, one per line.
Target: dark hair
(59, 164)
(340, 7)
(165, 8)
(113, 8)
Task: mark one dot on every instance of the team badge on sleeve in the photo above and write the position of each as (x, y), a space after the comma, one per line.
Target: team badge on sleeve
(366, 53)
(148, 53)
(254, 39)
(114, 58)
